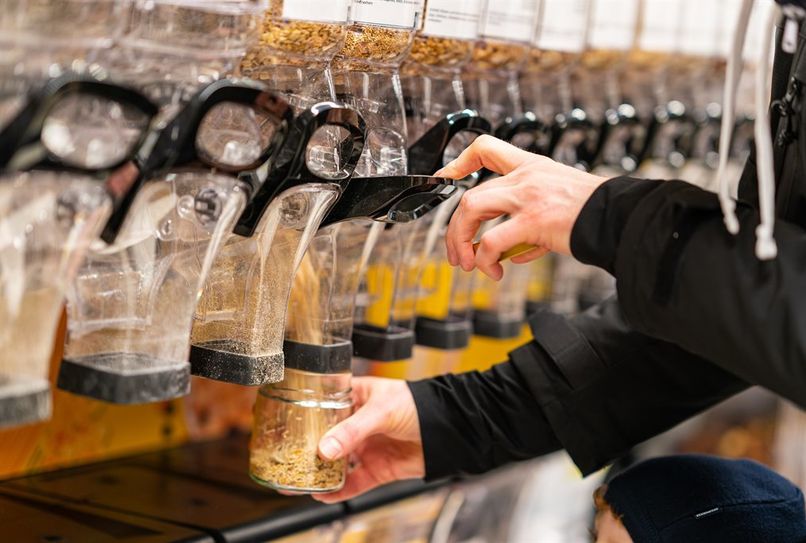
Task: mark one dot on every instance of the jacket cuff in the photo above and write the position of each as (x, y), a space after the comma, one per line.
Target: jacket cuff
(557, 364)
(597, 232)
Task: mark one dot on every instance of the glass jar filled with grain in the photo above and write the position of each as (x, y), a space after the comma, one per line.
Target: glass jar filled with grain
(297, 42)
(290, 419)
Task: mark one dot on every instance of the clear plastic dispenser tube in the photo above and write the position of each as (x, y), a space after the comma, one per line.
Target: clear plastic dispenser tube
(499, 307)
(297, 42)
(69, 137)
(132, 303)
(240, 320)
(171, 48)
(48, 221)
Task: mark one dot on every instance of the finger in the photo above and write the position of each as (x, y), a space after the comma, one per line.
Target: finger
(485, 152)
(496, 241)
(475, 208)
(361, 480)
(534, 254)
(348, 435)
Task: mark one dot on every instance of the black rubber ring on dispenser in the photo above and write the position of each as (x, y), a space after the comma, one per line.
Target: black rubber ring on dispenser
(382, 344)
(124, 378)
(448, 335)
(333, 358)
(491, 324)
(220, 361)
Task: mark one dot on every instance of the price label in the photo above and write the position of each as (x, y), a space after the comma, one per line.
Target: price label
(563, 25)
(702, 22)
(510, 20)
(661, 26)
(613, 24)
(319, 11)
(394, 13)
(457, 19)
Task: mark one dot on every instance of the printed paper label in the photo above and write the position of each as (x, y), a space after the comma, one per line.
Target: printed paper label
(701, 27)
(319, 11)
(661, 25)
(511, 20)
(613, 24)
(452, 19)
(563, 24)
(396, 13)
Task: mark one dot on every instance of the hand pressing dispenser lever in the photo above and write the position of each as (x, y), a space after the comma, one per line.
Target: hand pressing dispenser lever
(384, 330)
(291, 416)
(66, 153)
(131, 305)
(238, 331)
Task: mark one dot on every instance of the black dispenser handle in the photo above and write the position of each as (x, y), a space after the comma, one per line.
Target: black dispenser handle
(390, 199)
(427, 154)
(289, 168)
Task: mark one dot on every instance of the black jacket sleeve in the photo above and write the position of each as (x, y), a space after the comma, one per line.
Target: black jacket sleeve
(590, 385)
(682, 278)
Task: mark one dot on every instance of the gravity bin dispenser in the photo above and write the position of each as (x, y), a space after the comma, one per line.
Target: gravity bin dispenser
(62, 157)
(441, 127)
(132, 302)
(238, 329)
(291, 416)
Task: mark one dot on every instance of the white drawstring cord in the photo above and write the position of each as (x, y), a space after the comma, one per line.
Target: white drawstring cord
(732, 77)
(766, 248)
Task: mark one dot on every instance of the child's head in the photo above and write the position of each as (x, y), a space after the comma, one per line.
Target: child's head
(608, 525)
(699, 499)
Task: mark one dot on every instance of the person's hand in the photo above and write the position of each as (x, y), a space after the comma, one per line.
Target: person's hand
(543, 199)
(383, 435)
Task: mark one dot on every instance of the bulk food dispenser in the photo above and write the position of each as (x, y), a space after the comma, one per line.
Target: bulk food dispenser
(238, 329)
(41, 38)
(366, 74)
(597, 86)
(298, 39)
(491, 84)
(440, 127)
(63, 157)
(131, 305)
(291, 416)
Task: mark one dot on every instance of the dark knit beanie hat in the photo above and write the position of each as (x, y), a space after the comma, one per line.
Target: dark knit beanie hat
(704, 499)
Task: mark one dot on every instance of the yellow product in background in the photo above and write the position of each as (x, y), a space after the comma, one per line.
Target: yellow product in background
(380, 281)
(391, 370)
(82, 430)
(484, 352)
(435, 282)
(429, 362)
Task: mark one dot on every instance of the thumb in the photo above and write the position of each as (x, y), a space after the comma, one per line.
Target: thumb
(348, 435)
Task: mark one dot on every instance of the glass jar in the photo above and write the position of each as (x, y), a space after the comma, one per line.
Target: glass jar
(290, 419)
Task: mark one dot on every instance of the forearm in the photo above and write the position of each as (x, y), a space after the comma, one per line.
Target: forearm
(477, 421)
(605, 388)
(683, 279)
